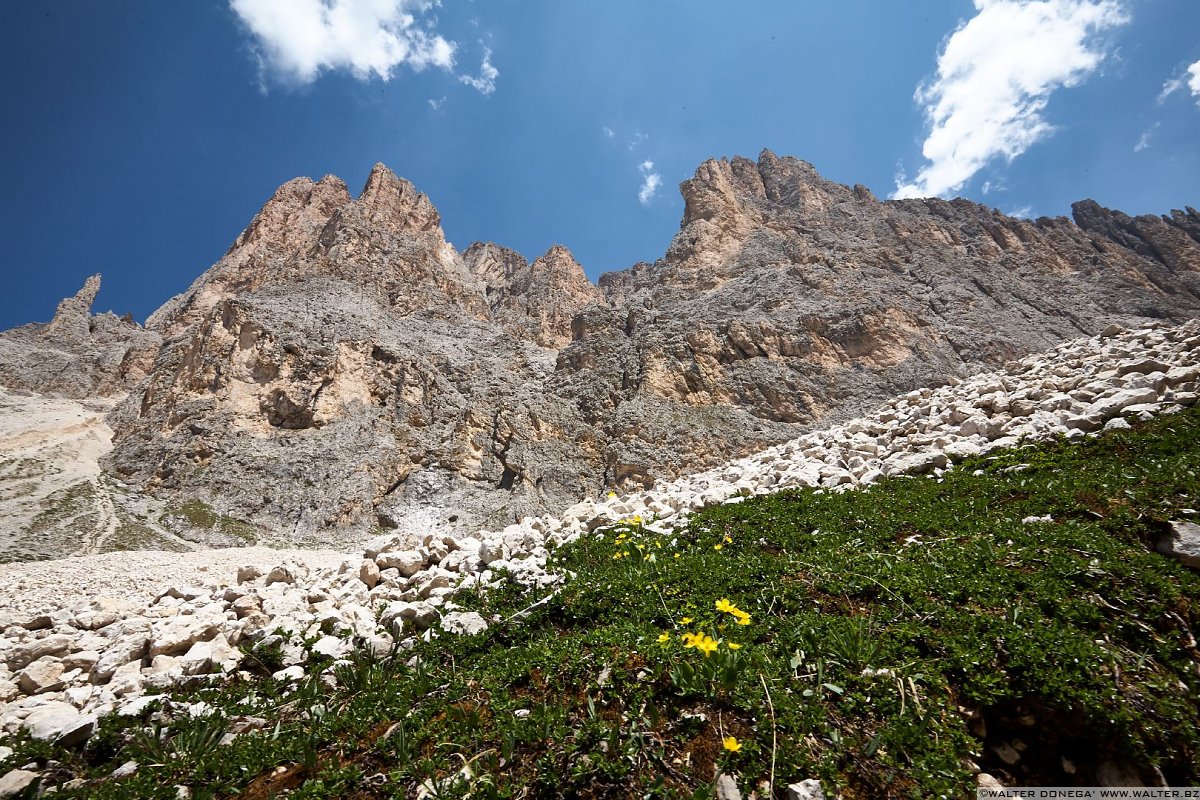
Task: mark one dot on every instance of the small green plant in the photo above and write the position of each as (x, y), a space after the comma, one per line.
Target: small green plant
(183, 750)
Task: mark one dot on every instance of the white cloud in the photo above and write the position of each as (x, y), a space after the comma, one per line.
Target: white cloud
(651, 180)
(1024, 212)
(1144, 141)
(436, 105)
(486, 82)
(637, 140)
(297, 40)
(608, 132)
(994, 77)
(1190, 77)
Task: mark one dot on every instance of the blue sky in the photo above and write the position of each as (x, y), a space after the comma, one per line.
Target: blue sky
(140, 137)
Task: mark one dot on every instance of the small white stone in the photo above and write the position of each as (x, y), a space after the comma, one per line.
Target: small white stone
(467, 623)
(805, 790)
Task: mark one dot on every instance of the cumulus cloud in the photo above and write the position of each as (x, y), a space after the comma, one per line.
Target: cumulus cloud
(486, 82)
(1190, 77)
(651, 180)
(297, 40)
(995, 74)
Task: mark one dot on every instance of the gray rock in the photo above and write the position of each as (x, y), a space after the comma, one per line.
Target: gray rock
(16, 782)
(805, 790)
(59, 723)
(130, 646)
(280, 574)
(176, 634)
(292, 673)
(368, 573)
(420, 614)
(1182, 542)
(127, 679)
(209, 657)
(726, 788)
(23, 655)
(95, 620)
(249, 572)
(77, 354)
(467, 623)
(408, 562)
(43, 675)
(985, 781)
(330, 646)
(1122, 399)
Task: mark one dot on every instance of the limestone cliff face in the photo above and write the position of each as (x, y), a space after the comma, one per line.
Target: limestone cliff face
(542, 297)
(342, 368)
(388, 243)
(77, 354)
(786, 297)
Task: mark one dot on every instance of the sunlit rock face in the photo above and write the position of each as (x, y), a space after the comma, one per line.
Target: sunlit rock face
(344, 369)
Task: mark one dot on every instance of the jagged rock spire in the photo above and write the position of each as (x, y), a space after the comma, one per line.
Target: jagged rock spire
(72, 318)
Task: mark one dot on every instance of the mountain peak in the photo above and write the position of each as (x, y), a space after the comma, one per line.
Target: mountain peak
(72, 318)
(389, 198)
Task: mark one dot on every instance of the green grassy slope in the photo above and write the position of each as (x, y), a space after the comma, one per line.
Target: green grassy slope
(880, 640)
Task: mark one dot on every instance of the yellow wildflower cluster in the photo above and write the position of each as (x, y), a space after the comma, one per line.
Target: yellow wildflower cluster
(729, 608)
(701, 641)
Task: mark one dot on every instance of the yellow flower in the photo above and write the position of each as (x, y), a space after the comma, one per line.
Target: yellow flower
(677, 555)
(731, 744)
(612, 494)
(690, 639)
(664, 637)
(685, 621)
(733, 645)
(706, 644)
(729, 608)
(729, 539)
(717, 546)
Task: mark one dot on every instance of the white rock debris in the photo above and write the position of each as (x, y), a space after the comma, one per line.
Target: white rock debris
(69, 655)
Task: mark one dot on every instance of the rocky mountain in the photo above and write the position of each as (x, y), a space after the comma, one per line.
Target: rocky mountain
(343, 368)
(77, 354)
